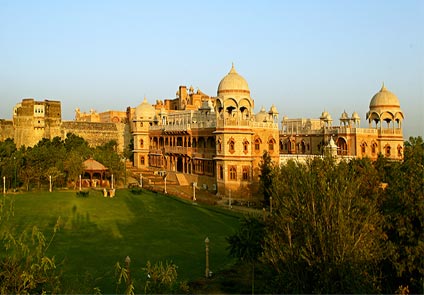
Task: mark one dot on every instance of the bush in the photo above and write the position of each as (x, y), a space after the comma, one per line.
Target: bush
(136, 191)
(83, 194)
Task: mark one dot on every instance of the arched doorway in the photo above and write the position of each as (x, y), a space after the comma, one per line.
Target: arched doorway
(341, 146)
(180, 164)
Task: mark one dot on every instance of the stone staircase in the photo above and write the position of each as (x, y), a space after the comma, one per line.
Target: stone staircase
(181, 179)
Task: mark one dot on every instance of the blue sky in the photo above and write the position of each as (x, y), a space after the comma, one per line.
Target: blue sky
(302, 56)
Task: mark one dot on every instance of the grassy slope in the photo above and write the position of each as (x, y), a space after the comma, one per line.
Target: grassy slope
(97, 232)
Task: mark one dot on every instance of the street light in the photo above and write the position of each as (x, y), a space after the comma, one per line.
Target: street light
(14, 161)
(125, 167)
(207, 257)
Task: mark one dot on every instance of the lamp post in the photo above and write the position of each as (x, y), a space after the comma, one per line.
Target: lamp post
(141, 180)
(125, 167)
(207, 257)
(80, 182)
(14, 181)
(111, 182)
(194, 191)
(50, 187)
(165, 185)
(4, 184)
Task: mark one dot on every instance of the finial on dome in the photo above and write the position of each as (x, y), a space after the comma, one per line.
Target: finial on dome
(233, 69)
(145, 99)
(383, 88)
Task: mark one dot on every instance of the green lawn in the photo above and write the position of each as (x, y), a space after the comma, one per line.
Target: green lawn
(97, 232)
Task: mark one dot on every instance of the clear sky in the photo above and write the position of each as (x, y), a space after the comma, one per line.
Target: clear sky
(302, 56)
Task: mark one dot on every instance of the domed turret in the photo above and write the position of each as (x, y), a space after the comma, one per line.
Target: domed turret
(233, 83)
(344, 118)
(384, 99)
(262, 115)
(234, 99)
(145, 111)
(355, 119)
(385, 106)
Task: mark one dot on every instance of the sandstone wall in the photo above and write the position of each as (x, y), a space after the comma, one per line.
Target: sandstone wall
(96, 133)
(6, 129)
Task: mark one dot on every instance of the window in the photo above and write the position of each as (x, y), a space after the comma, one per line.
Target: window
(363, 147)
(245, 146)
(245, 174)
(387, 150)
(257, 145)
(399, 149)
(141, 143)
(231, 144)
(219, 145)
(373, 148)
(233, 173)
(142, 160)
(271, 144)
(220, 172)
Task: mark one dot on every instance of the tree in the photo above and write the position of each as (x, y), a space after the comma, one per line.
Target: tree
(107, 155)
(8, 160)
(326, 231)
(265, 179)
(25, 268)
(246, 244)
(160, 279)
(73, 166)
(403, 209)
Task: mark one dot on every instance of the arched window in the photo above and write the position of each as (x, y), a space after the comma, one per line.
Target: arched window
(387, 149)
(219, 145)
(257, 145)
(245, 146)
(231, 144)
(233, 173)
(271, 143)
(246, 170)
(303, 147)
(363, 148)
(142, 160)
(220, 172)
(399, 149)
(373, 148)
(141, 143)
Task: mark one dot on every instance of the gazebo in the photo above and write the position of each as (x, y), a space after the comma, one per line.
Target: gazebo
(93, 167)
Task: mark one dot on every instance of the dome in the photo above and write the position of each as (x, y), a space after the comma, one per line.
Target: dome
(261, 116)
(233, 83)
(384, 99)
(145, 111)
(355, 115)
(344, 116)
(324, 115)
(273, 110)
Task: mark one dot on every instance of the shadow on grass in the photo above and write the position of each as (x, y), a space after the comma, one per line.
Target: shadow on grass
(97, 232)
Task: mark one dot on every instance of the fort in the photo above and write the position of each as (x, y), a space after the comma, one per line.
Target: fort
(217, 141)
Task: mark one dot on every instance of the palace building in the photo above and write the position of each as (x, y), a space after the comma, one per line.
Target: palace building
(217, 141)
(222, 140)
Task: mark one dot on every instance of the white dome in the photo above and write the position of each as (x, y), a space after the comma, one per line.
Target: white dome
(384, 99)
(145, 111)
(261, 116)
(233, 83)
